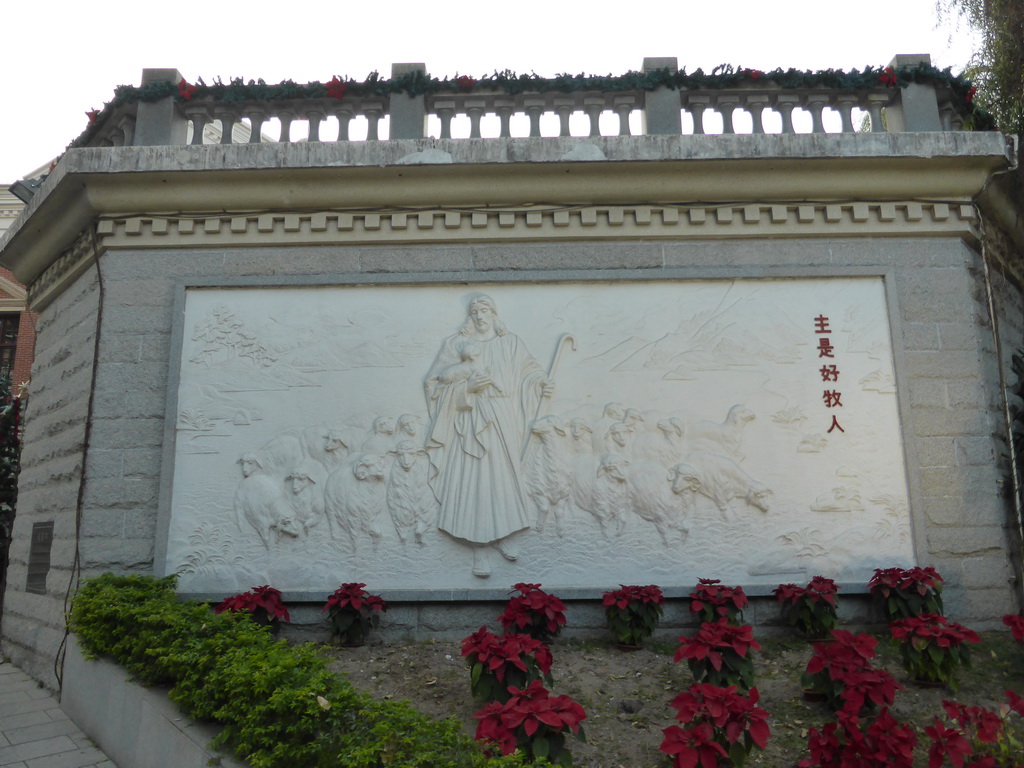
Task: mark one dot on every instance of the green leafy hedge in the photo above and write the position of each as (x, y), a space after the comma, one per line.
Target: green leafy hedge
(279, 705)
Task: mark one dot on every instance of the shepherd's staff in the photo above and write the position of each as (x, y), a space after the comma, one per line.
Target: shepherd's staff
(559, 345)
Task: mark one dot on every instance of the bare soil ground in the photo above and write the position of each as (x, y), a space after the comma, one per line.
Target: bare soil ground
(626, 695)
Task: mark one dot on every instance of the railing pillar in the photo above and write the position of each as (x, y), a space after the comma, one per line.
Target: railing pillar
(505, 108)
(408, 113)
(917, 108)
(160, 123)
(662, 108)
(785, 103)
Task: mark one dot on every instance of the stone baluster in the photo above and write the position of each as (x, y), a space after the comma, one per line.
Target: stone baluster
(199, 116)
(127, 129)
(256, 119)
(534, 107)
(696, 105)
(344, 115)
(408, 113)
(845, 104)
(946, 118)
(593, 106)
(816, 102)
(755, 105)
(785, 103)
(475, 108)
(662, 106)
(160, 122)
(874, 107)
(623, 106)
(315, 117)
(109, 136)
(286, 117)
(564, 107)
(445, 110)
(374, 111)
(726, 105)
(226, 116)
(505, 108)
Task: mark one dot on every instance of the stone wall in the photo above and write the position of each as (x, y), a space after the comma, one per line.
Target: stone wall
(955, 412)
(941, 340)
(52, 455)
(1004, 280)
(946, 380)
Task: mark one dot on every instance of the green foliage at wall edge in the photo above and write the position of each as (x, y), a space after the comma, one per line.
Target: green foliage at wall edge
(279, 705)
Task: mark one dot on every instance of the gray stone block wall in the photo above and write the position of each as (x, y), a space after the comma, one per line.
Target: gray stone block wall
(942, 337)
(955, 431)
(942, 341)
(1008, 303)
(33, 624)
(136, 726)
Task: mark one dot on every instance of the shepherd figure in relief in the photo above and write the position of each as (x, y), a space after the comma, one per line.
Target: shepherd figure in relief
(482, 392)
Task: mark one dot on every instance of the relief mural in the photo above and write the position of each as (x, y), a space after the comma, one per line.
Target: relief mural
(579, 434)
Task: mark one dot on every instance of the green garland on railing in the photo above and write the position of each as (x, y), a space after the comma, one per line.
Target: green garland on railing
(419, 83)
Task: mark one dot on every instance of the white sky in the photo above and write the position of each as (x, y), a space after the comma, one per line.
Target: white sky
(64, 59)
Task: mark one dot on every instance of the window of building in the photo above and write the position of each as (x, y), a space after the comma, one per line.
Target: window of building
(8, 342)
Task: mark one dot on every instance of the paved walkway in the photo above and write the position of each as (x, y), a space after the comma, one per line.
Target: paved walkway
(35, 732)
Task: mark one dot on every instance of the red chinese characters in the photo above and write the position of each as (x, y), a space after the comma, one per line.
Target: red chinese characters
(832, 398)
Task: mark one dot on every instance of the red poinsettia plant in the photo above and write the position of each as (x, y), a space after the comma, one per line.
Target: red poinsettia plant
(497, 663)
(883, 742)
(866, 690)
(811, 609)
(633, 613)
(264, 604)
(905, 593)
(989, 739)
(711, 601)
(533, 721)
(694, 746)
(353, 612)
(186, 90)
(1016, 625)
(533, 612)
(719, 654)
(336, 88)
(718, 724)
(933, 648)
(842, 672)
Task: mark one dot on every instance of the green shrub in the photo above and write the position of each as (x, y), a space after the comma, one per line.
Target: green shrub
(133, 619)
(279, 705)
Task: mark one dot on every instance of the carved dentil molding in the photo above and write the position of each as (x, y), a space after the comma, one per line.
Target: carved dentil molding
(533, 223)
(542, 222)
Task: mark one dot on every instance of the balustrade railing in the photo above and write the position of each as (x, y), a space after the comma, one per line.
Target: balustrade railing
(480, 113)
(589, 105)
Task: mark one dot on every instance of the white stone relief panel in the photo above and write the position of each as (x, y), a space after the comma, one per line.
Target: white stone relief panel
(578, 434)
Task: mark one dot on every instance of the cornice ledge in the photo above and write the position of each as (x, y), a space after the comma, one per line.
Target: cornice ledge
(569, 149)
(126, 181)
